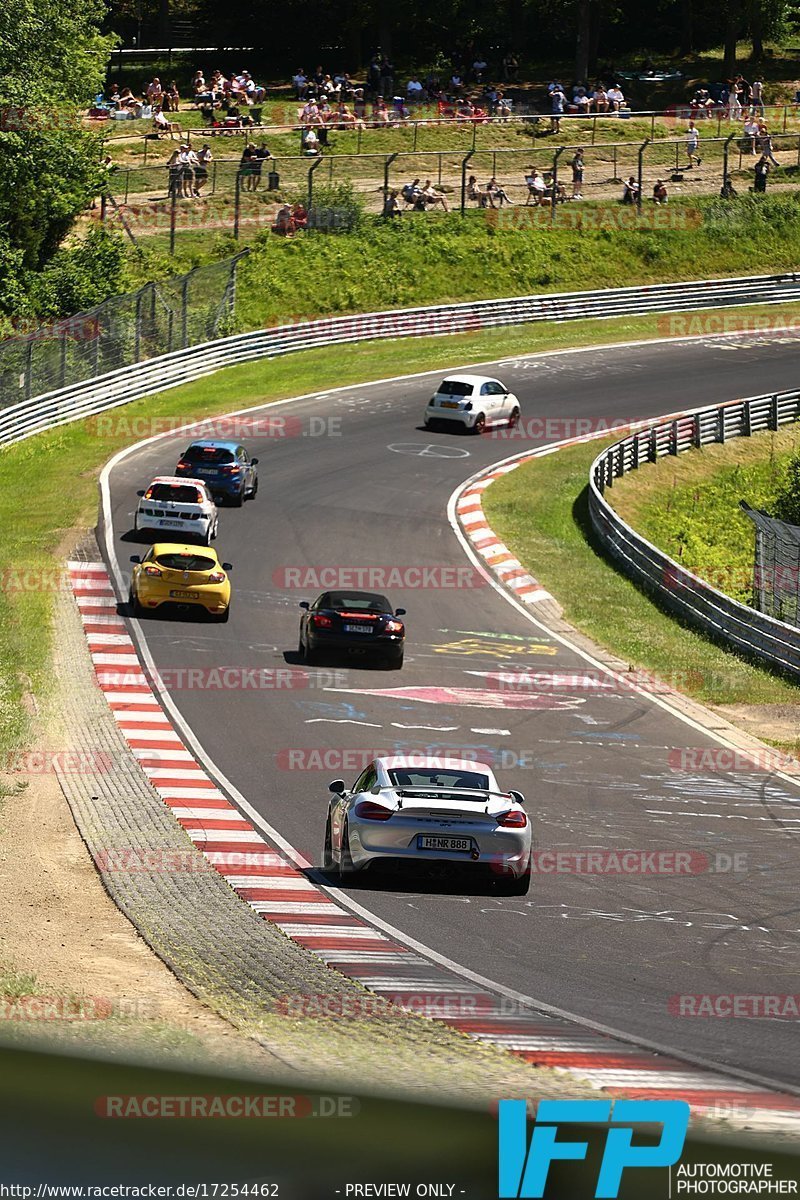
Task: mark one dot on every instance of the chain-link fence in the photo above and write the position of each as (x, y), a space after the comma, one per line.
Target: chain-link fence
(776, 572)
(160, 317)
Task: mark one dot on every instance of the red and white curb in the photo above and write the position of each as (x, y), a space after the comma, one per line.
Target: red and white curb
(279, 891)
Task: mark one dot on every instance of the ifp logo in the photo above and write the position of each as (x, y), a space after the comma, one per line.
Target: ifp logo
(524, 1170)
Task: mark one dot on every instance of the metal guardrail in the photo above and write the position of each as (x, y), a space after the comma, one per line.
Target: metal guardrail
(43, 412)
(692, 599)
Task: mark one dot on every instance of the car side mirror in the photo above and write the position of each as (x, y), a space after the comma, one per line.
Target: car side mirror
(135, 558)
(375, 790)
(518, 796)
(305, 604)
(337, 787)
(254, 462)
(227, 566)
(399, 612)
(141, 493)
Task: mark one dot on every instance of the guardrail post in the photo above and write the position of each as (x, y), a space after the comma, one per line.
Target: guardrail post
(720, 425)
(464, 163)
(748, 420)
(773, 413)
(673, 437)
(652, 449)
(554, 197)
(697, 430)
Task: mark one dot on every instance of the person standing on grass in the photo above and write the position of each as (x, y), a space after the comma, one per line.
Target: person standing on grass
(765, 144)
(751, 132)
(558, 103)
(761, 171)
(577, 175)
(204, 157)
(693, 145)
(757, 98)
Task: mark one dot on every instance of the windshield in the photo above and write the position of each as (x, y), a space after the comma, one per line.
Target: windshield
(178, 493)
(186, 562)
(420, 777)
(455, 387)
(355, 602)
(213, 455)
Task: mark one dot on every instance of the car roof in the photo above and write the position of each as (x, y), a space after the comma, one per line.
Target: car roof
(473, 379)
(433, 762)
(182, 548)
(357, 595)
(215, 443)
(178, 481)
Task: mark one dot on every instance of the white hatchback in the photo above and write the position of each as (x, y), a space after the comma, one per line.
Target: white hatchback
(473, 401)
(182, 506)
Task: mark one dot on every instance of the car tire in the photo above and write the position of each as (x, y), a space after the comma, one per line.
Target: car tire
(479, 424)
(224, 617)
(254, 489)
(517, 885)
(209, 536)
(238, 500)
(346, 869)
(395, 663)
(134, 605)
(327, 849)
(513, 420)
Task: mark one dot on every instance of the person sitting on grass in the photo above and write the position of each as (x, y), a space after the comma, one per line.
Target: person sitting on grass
(630, 191)
(412, 194)
(660, 192)
(284, 221)
(172, 98)
(300, 215)
(431, 197)
(391, 208)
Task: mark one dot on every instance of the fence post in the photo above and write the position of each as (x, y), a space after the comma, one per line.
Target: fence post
(464, 163)
(214, 177)
(642, 149)
(416, 127)
(28, 368)
(389, 160)
(145, 151)
(127, 183)
(726, 183)
(474, 133)
(237, 200)
(311, 171)
(616, 176)
(185, 310)
(173, 204)
(785, 114)
(137, 327)
(554, 197)
(103, 202)
(594, 129)
(63, 363)
(652, 126)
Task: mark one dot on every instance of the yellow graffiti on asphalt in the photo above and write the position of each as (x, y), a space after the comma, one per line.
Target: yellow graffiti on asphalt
(493, 647)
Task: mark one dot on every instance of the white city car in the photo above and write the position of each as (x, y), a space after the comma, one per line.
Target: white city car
(179, 505)
(419, 809)
(472, 401)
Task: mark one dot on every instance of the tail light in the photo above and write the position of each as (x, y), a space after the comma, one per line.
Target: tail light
(154, 571)
(468, 406)
(513, 819)
(368, 810)
(231, 469)
(182, 466)
(216, 577)
(394, 626)
(321, 621)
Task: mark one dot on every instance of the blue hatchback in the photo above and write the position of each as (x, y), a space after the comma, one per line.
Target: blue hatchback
(225, 467)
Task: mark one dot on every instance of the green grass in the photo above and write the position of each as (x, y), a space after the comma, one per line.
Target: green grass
(689, 506)
(540, 511)
(57, 472)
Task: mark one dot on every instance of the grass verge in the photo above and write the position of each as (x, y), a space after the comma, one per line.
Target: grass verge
(57, 473)
(541, 512)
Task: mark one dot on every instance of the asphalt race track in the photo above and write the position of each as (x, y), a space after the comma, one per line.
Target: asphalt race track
(594, 763)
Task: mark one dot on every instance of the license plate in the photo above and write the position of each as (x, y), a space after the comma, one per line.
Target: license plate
(162, 522)
(185, 595)
(449, 404)
(427, 841)
(206, 470)
(358, 629)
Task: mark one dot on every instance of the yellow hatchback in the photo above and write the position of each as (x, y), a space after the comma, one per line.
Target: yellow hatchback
(171, 573)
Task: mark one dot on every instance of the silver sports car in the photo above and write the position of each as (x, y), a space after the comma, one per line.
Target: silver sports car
(419, 809)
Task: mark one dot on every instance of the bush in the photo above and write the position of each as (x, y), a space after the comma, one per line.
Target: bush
(787, 502)
(336, 208)
(82, 276)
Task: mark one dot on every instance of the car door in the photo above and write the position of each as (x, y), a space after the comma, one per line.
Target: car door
(342, 803)
(491, 401)
(243, 460)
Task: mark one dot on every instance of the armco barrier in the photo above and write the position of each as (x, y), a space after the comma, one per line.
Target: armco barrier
(695, 601)
(40, 413)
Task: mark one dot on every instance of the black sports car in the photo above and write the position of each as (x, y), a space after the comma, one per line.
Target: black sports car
(358, 622)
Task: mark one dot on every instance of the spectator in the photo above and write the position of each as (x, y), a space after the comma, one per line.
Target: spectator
(432, 197)
(284, 222)
(299, 83)
(693, 145)
(581, 101)
(204, 158)
(412, 193)
(456, 84)
(479, 66)
(474, 193)
(387, 77)
(414, 90)
(309, 142)
(615, 98)
(380, 113)
(751, 132)
(660, 192)
(174, 173)
(600, 99)
(496, 191)
(577, 175)
(154, 92)
(765, 144)
(558, 103)
(172, 98)
(757, 98)
(300, 215)
(735, 99)
(187, 161)
(536, 186)
(510, 68)
(391, 208)
(630, 191)
(162, 126)
(761, 172)
(502, 107)
(114, 97)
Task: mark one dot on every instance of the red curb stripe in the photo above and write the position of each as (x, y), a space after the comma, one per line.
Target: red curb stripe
(200, 824)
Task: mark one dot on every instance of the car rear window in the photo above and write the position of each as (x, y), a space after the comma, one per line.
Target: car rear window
(186, 562)
(454, 387)
(178, 493)
(342, 602)
(212, 455)
(413, 777)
